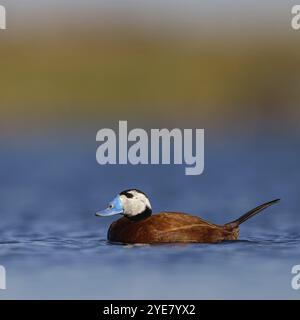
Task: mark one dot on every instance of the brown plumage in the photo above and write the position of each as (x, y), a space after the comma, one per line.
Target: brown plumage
(167, 227)
(174, 227)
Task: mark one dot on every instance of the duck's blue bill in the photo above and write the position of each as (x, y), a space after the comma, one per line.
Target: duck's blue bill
(115, 207)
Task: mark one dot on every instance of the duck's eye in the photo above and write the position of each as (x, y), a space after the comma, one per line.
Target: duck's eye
(110, 206)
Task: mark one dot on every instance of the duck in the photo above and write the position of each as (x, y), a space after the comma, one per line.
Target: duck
(139, 226)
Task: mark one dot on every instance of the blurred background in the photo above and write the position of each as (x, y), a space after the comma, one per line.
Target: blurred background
(217, 62)
(69, 68)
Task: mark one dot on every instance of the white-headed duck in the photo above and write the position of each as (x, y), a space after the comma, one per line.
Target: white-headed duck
(138, 225)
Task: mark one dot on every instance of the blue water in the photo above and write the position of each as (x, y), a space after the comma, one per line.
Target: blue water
(52, 246)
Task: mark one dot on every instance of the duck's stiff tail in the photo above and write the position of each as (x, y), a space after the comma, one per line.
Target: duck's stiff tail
(250, 214)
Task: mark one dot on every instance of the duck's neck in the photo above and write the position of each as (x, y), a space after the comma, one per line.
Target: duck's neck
(141, 216)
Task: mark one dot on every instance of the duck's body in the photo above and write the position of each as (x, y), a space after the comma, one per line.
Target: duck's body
(139, 225)
(169, 227)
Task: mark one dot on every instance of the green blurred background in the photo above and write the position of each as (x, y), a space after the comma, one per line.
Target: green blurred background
(214, 63)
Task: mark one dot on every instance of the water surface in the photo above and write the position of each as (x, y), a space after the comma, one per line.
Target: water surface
(53, 247)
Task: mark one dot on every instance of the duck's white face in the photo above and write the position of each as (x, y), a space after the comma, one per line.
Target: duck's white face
(130, 203)
(134, 202)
